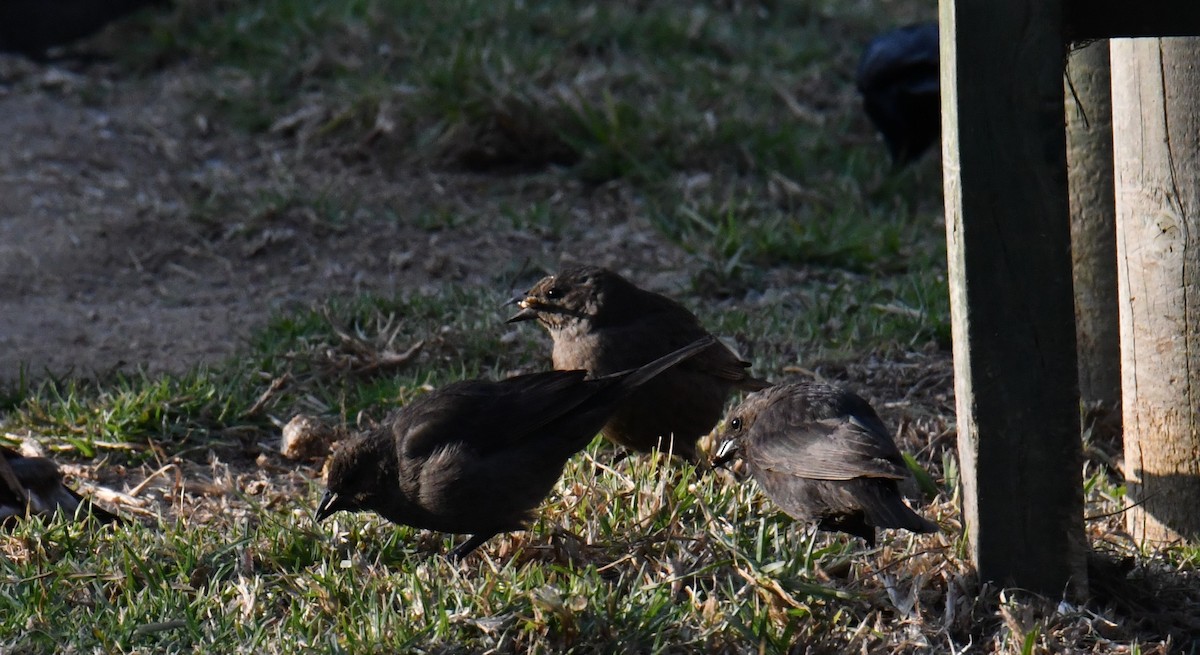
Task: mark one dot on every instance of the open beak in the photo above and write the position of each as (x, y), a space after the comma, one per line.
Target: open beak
(725, 453)
(327, 506)
(527, 313)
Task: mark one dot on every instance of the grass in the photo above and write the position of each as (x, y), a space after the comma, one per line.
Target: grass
(641, 555)
(274, 581)
(750, 96)
(734, 130)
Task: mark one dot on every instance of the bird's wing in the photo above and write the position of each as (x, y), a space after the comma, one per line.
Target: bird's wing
(485, 415)
(489, 416)
(840, 448)
(719, 361)
(669, 327)
(12, 492)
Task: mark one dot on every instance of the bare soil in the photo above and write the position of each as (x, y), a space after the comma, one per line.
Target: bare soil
(136, 231)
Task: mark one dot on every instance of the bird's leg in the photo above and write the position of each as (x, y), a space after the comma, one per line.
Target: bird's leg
(469, 546)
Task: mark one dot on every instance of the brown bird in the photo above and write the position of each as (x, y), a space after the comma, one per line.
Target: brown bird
(479, 456)
(33, 486)
(821, 454)
(601, 322)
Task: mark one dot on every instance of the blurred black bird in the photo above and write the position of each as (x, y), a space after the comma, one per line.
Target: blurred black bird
(479, 456)
(899, 81)
(31, 27)
(602, 323)
(822, 454)
(33, 486)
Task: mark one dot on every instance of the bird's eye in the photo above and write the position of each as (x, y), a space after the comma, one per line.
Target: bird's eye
(736, 424)
(554, 292)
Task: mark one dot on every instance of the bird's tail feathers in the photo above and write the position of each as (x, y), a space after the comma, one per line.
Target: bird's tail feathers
(890, 511)
(634, 378)
(754, 384)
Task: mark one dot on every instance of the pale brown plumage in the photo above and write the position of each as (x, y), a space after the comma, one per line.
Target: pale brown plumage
(602, 323)
(822, 454)
(479, 456)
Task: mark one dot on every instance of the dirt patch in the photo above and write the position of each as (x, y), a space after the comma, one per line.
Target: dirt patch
(138, 232)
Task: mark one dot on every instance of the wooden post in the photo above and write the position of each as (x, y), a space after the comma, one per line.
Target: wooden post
(1093, 230)
(1009, 249)
(1156, 95)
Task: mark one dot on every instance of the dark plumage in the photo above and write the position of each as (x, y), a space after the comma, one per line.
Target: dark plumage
(33, 486)
(899, 80)
(822, 454)
(31, 27)
(601, 322)
(478, 456)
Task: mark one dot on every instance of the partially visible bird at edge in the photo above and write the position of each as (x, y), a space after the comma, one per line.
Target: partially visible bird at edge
(33, 486)
(899, 80)
(31, 27)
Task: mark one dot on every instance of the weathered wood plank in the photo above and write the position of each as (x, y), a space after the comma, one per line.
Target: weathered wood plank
(1093, 232)
(1007, 225)
(1156, 90)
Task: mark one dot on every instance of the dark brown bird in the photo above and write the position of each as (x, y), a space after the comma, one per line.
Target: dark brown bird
(899, 80)
(601, 322)
(822, 454)
(33, 486)
(33, 26)
(479, 456)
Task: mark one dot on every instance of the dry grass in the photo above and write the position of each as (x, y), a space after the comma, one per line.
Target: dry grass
(712, 150)
(634, 554)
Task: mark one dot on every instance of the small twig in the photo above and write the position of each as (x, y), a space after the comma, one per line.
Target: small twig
(267, 395)
(116, 445)
(109, 495)
(141, 487)
(798, 110)
(163, 626)
(900, 560)
(629, 485)
(1097, 517)
(392, 360)
(770, 584)
(184, 271)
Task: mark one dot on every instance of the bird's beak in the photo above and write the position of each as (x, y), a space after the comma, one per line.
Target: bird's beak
(527, 313)
(725, 453)
(327, 506)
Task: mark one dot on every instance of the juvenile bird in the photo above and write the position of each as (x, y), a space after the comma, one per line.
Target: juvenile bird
(601, 322)
(478, 456)
(33, 486)
(899, 80)
(822, 454)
